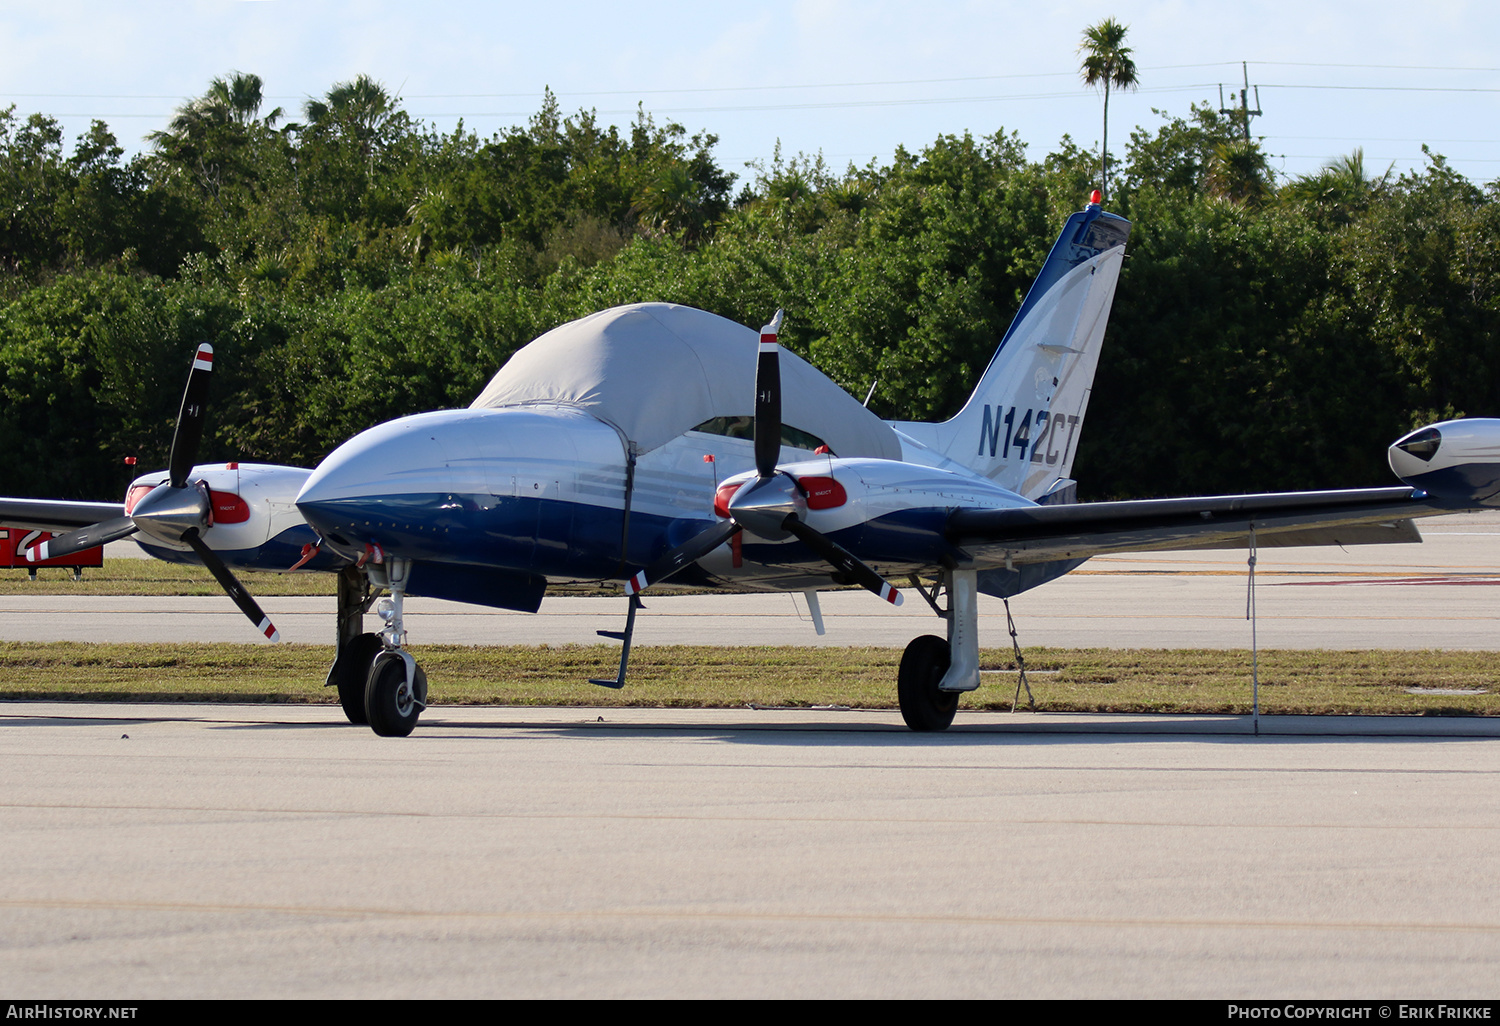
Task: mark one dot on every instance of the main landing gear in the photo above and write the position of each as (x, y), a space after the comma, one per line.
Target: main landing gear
(923, 705)
(934, 672)
(378, 681)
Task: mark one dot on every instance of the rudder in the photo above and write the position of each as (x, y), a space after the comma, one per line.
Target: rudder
(1020, 427)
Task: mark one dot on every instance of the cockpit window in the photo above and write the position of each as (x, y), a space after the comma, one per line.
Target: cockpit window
(1421, 444)
(744, 427)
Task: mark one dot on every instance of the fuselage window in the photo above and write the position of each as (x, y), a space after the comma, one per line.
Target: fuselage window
(744, 427)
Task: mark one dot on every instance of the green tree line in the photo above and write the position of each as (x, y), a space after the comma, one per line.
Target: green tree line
(350, 264)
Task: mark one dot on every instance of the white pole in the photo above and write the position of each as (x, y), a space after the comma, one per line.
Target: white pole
(1254, 651)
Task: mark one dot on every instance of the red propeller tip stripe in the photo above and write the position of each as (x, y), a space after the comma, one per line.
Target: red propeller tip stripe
(267, 628)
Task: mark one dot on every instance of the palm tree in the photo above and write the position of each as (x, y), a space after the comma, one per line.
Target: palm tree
(209, 135)
(356, 110)
(1238, 171)
(232, 101)
(1341, 189)
(1106, 62)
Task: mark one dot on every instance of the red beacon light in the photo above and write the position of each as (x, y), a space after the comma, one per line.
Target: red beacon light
(1096, 198)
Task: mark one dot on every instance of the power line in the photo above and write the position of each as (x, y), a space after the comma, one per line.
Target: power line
(1374, 138)
(846, 85)
(1390, 88)
(829, 105)
(1406, 159)
(813, 105)
(637, 92)
(1373, 67)
(821, 105)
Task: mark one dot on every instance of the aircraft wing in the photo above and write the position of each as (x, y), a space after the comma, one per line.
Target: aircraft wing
(56, 515)
(1034, 534)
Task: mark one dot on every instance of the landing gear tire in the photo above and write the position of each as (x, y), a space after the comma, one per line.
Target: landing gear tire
(392, 706)
(923, 706)
(351, 673)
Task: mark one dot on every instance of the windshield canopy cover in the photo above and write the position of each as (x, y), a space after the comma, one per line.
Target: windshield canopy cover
(658, 370)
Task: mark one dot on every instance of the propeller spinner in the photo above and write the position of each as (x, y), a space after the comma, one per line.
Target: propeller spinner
(177, 511)
(772, 505)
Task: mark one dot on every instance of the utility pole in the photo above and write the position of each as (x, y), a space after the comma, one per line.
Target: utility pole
(1244, 107)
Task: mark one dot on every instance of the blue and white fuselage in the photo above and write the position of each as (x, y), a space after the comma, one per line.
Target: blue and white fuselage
(542, 492)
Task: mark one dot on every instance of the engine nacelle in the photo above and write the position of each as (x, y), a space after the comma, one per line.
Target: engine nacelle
(893, 512)
(254, 523)
(1456, 462)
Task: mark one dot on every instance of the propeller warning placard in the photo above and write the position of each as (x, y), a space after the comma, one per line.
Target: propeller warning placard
(15, 541)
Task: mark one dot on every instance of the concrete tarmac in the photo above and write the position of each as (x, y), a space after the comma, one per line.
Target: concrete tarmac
(265, 851)
(273, 851)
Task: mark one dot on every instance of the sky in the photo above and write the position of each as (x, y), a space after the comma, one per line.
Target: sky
(850, 80)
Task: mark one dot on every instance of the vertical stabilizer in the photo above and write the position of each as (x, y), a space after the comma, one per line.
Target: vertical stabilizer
(1020, 428)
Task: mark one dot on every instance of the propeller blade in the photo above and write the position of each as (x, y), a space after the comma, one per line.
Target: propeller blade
(690, 551)
(227, 581)
(842, 560)
(83, 538)
(190, 418)
(768, 400)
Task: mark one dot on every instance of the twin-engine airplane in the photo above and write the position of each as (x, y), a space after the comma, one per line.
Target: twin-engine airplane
(629, 446)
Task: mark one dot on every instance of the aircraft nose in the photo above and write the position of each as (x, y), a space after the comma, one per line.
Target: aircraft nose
(385, 479)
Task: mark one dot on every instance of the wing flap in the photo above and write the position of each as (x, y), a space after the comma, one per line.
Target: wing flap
(1390, 532)
(1038, 533)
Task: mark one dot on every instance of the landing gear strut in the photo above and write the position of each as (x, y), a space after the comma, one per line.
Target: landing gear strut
(396, 689)
(934, 672)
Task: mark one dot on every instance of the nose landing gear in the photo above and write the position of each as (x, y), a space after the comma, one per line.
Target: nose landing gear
(396, 688)
(378, 681)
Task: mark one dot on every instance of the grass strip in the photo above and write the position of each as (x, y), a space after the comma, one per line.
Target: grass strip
(154, 577)
(158, 578)
(1063, 680)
